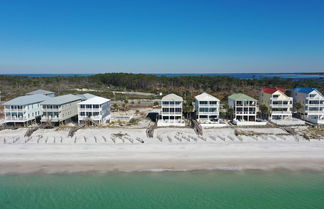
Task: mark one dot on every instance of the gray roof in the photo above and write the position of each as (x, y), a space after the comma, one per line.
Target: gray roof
(205, 97)
(59, 100)
(28, 99)
(40, 91)
(85, 96)
(172, 97)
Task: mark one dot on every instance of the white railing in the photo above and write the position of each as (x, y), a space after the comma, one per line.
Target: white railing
(281, 105)
(90, 109)
(99, 117)
(171, 113)
(15, 110)
(281, 113)
(315, 105)
(208, 113)
(315, 111)
(245, 112)
(15, 118)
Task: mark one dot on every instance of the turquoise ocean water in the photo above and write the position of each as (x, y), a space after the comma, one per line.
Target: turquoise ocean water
(179, 190)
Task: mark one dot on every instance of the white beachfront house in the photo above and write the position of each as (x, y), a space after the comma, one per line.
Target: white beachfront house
(312, 104)
(206, 108)
(278, 103)
(41, 91)
(171, 111)
(61, 108)
(245, 108)
(96, 110)
(24, 109)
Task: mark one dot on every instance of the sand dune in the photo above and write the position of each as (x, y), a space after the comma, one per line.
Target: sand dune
(112, 150)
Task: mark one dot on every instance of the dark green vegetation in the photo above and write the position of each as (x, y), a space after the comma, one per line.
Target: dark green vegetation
(105, 84)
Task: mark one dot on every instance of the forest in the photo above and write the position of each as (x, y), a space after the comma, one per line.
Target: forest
(186, 86)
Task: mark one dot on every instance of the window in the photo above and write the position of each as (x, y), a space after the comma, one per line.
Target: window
(165, 103)
(203, 102)
(177, 103)
(178, 110)
(203, 109)
(82, 113)
(314, 102)
(212, 109)
(275, 96)
(95, 106)
(82, 106)
(95, 113)
(172, 103)
(165, 109)
(213, 102)
(89, 106)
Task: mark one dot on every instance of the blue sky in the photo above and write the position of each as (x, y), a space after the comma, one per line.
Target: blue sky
(161, 36)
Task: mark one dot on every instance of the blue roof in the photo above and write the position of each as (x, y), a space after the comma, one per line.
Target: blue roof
(304, 90)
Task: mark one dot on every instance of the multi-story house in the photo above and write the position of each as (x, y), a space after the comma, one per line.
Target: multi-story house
(24, 109)
(206, 108)
(95, 110)
(311, 104)
(278, 103)
(61, 108)
(245, 107)
(171, 110)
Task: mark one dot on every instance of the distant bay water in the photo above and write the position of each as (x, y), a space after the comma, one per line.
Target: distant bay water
(178, 190)
(294, 76)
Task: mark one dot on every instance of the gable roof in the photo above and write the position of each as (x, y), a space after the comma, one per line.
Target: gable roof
(95, 100)
(241, 97)
(304, 90)
(172, 97)
(59, 100)
(28, 99)
(272, 90)
(40, 91)
(205, 97)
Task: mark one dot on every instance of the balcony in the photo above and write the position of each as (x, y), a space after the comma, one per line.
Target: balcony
(15, 118)
(315, 105)
(50, 118)
(89, 109)
(281, 113)
(15, 110)
(97, 117)
(208, 113)
(314, 112)
(52, 109)
(281, 105)
(171, 113)
(245, 113)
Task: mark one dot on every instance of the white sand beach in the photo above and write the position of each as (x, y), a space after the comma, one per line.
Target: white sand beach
(172, 149)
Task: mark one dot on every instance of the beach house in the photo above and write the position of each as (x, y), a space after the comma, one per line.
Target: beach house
(60, 109)
(24, 109)
(244, 109)
(277, 102)
(41, 91)
(309, 102)
(95, 111)
(206, 108)
(171, 111)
